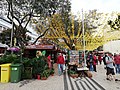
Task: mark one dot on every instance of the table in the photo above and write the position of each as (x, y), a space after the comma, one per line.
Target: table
(81, 71)
(72, 66)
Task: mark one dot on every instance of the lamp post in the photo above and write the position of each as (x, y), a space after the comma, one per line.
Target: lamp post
(83, 32)
(11, 34)
(11, 37)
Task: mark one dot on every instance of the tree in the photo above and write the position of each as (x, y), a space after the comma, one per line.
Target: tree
(20, 13)
(115, 25)
(74, 28)
(43, 25)
(65, 26)
(5, 37)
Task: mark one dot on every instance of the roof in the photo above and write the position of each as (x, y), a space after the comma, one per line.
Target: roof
(43, 47)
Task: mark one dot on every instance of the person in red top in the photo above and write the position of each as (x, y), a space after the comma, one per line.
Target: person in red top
(99, 59)
(94, 62)
(49, 61)
(117, 62)
(60, 62)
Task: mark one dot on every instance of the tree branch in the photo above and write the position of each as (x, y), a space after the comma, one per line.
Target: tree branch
(10, 12)
(28, 20)
(25, 17)
(40, 36)
(66, 42)
(6, 20)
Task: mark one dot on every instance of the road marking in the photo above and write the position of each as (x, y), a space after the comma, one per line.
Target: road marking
(84, 83)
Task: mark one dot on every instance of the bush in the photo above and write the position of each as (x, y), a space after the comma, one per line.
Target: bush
(11, 58)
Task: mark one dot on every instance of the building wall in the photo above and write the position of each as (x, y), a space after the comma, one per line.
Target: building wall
(112, 46)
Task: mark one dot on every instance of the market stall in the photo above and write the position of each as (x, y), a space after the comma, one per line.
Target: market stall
(75, 65)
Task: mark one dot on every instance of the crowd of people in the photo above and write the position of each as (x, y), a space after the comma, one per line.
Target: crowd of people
(111, 62)
(92, 61)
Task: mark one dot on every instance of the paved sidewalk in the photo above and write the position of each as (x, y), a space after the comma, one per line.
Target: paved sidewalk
(100, 77)
(64, 82)
(52, 83)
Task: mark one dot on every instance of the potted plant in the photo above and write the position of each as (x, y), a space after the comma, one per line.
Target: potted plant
(38, 76)
(44, 75)
(72, 73)
(27, 68)
(39, 65)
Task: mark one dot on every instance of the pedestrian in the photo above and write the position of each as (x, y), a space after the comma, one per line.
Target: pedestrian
(60, 62)
(49, 61)
(104, 61)
(64, 66)
(94, 62)
(88, 61)
(91, 61)
(66, 60)
(100, 59)
(117, 63)
(110, 67)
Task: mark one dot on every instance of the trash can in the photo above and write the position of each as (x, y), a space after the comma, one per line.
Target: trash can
(16, 72)
(5, 72)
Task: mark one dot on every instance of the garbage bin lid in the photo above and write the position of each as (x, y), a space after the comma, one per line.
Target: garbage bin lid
(18, 64)
(3, 65)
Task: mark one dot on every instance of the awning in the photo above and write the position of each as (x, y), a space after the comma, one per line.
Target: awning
(41, 47)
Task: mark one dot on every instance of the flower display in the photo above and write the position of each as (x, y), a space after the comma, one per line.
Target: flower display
(15, 49)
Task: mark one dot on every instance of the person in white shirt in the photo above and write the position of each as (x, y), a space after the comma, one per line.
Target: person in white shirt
(110, 67)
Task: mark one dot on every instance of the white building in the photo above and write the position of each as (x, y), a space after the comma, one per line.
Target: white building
(4, 25)
(112, 46)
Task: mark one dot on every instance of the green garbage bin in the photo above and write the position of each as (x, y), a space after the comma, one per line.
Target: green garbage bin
(16, 72)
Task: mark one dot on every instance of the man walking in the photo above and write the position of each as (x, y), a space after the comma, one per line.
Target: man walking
(117, 62)
(110, 67)
(60, 62)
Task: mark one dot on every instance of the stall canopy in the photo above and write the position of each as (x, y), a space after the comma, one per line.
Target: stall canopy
(41, 47)
(44, 47)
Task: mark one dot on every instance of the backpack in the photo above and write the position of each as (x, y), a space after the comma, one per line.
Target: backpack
(104, 61)
(90, 58)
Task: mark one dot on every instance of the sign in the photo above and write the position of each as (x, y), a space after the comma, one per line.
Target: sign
(74, 56)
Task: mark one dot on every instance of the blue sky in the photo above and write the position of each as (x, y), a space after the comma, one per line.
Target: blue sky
(100, 5)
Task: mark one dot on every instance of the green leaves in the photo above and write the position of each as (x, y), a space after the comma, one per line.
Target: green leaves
(11, 58)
